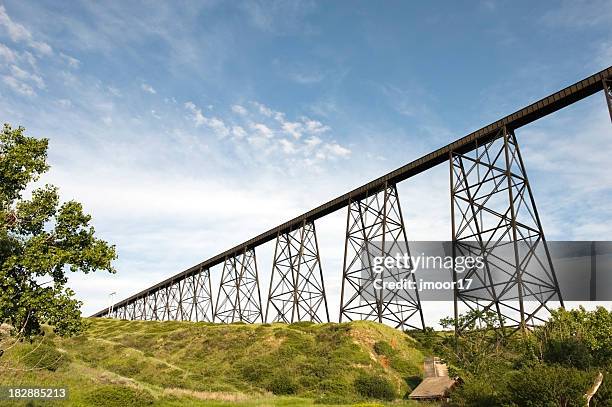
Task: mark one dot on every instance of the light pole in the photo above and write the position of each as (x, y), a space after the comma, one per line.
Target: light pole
(110, 302)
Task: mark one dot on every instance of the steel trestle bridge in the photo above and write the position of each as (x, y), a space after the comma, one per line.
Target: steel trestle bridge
(492, 209)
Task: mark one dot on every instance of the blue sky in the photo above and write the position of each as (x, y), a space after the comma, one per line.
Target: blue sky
(188, 127)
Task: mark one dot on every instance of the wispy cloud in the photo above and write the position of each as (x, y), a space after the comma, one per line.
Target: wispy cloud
(148, 88)
(18, 86)
(18, 33)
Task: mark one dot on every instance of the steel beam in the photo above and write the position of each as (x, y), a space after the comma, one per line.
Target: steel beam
(297, 290)
(375, 227)
(526, 115)
(494, 217)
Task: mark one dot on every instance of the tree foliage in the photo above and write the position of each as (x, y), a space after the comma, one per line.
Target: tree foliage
(41, 239)
(554, 364)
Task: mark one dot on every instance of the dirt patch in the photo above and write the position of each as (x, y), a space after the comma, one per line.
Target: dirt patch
(384, 361)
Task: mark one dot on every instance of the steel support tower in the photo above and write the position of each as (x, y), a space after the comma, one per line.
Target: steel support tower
(375, 227)
(239, 298)
(297, 290)
(494, 217)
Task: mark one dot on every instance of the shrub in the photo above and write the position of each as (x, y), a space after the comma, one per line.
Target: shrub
(383, 348)
(119, 396)
(544, 386)
(375, 387)
(568, 352)
(254, 372)
(480, 392)
(282, 384)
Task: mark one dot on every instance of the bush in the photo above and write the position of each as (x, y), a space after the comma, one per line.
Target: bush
(569, 352)
(383, 348)
(118, 396)
(282, 385)
(480, 392)
(253, 372)
(545, 386)
(375, 387)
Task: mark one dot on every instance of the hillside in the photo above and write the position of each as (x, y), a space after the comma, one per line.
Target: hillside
(129, 363)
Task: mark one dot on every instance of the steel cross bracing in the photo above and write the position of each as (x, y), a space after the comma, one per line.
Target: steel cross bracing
(375, 227)
(186, 299)
(297, 291)
(494, 216)
(239, 298)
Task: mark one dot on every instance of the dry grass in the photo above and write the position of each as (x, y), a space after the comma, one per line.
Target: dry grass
(206, 395)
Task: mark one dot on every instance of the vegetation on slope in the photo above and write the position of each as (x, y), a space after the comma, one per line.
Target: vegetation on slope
(127, 363)
(555, 364)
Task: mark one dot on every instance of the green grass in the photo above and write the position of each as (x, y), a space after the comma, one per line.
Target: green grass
(142, 363)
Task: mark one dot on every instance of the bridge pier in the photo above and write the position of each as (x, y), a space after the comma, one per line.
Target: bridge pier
(239, 296)
(494, 216)
(297, 290)
(375, 227)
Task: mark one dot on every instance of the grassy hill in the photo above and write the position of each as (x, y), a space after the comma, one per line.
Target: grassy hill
(133, 363)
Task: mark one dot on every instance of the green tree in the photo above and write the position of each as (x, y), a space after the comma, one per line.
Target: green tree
(41, 239)
(577, 337)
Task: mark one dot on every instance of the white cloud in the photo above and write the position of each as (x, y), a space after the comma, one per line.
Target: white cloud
(314, 126)
(26, 76)
(148, 88)
(293, 128)
(18, 33)
(114, 91)
(287, 146)
(337, 150)
(65, 103)
(217, 125)
(197, 117)
(238, 132)
(268, 112)
(313, 141)
(263, 130)
(18, 86)
(7, 54)
(239, 109)
(71, 61)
